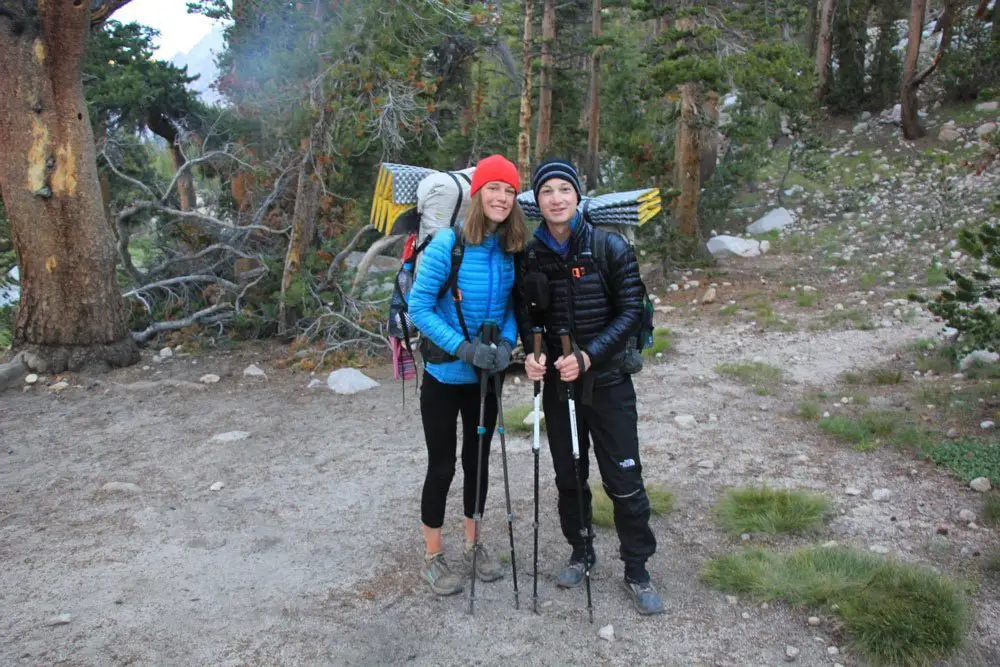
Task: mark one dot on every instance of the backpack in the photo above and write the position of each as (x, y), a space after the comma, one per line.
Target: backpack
(400, 327)
(643, 338)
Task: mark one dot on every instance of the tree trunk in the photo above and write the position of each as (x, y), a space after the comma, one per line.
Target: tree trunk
(812, 26)
(71, 314)
(824, 46)
(524, 136)
(307, 195)
(996, 24)
(708, 141)
(593, 135)
(544, 134)
(687, 162)
(908, 91)
(185, 184)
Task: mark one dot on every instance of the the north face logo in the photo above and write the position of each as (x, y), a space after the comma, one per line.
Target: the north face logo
(626, 464)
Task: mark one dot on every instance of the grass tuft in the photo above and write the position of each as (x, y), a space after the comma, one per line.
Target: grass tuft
(808, 410)
(991, 510)
(662, 342)
(892, 613)
(661, 502)
(751, 372)
(865, 432)
(514, 416)
(764, 510)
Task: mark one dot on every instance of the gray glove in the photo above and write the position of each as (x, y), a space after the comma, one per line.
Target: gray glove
(477, 354)
(504, 350)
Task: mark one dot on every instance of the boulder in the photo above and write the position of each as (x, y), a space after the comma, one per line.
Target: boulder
(776, 219)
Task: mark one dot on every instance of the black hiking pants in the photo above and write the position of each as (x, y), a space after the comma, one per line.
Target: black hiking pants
(611, 421)
(440, 406)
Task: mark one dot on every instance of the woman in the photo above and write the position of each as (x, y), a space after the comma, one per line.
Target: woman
(493, 231)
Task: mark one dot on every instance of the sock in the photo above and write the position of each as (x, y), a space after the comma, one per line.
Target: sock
(636, 573)
(428, 556)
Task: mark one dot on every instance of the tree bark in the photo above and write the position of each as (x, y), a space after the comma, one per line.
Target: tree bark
(594, 131)
(909, 102)
(708, 141)
(946, 24)
(524, 136)
(71, 314)
(812, 26)
(687, 162)
(544, 133)
(824, 47)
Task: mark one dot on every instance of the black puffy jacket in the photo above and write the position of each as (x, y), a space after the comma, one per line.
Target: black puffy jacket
(607, 309)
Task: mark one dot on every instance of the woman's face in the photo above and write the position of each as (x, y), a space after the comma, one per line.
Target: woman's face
(498, 200)
(557, 200)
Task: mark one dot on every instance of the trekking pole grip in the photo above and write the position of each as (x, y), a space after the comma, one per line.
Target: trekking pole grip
(566, 345)
(536, 339)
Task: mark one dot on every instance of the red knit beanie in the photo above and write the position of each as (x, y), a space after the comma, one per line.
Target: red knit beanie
(495, 168)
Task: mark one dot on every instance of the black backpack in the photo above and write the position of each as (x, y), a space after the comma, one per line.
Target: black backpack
(643, 338)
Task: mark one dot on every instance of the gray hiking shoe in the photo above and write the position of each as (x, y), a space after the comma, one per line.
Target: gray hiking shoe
(487, 567)
(646, 599)
(439, 576)
(573, 574)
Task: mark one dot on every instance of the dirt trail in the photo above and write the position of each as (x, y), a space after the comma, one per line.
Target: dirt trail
(309, 553)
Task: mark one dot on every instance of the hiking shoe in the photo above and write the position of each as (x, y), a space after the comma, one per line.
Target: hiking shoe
(645, 598)
(572, 575)
(487, 567)
(439, 576)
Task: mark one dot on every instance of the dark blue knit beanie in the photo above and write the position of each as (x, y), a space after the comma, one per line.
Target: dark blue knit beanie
(557, 169)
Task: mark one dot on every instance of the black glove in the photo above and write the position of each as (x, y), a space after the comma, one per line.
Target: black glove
(477, 354)
(504, 350)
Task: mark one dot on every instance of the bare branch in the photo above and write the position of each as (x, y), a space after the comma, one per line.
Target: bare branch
(179, 280)
(159, 327)
(140, 206)
(369, 257)
(342, 255)
(187, 166)
(128, 179)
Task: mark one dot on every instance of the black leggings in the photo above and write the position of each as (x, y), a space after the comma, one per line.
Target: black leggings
(440, 405)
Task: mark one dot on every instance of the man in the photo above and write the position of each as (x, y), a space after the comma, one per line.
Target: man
(600, 312)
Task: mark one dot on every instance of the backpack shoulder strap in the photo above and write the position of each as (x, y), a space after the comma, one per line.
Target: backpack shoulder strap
(459, 198)
(451, 283)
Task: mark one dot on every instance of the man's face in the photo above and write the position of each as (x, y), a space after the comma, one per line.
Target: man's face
(557, 201)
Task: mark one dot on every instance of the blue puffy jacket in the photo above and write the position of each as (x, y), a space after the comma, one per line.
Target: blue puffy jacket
(486, 280)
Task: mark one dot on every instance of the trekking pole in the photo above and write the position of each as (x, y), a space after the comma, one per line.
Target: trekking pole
(536, 335)
(488, 335)
(498, 388)
(575, 439)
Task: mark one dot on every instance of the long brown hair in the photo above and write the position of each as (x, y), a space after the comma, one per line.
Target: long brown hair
(512, 231)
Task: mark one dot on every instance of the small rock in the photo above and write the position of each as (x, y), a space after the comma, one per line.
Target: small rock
(814, 621)
(981, 484)
(607, 633)
(791, 653)
(349, 381)
(746, 538)
(988, 424)
(231, 436)
(126, 487)
(745, 615)
(685, 421)
(831, 544)
(316, 382)
(218, 486)
(166, 353)
(707, 464)
(709, 296)
(31, 378)
(732, 600)
(253, 371)
(61, 619)
(832, 650)
(949, 134)
(59, 386)
(851, 491)
(881, 495)
(209, 378)
(967, 515)
(952, 433)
